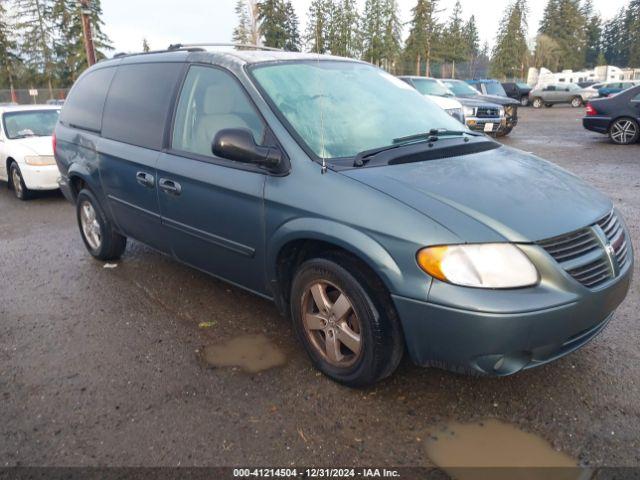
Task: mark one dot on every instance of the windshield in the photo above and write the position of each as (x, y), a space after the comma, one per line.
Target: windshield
(461, 89)
(339, 109)
(31, 123)
(494, 88)
(431, 87)
(572, 87)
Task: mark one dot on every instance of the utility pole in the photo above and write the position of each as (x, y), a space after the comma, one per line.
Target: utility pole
(85, 12)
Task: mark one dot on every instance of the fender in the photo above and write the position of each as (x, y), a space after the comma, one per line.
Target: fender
(352, 240)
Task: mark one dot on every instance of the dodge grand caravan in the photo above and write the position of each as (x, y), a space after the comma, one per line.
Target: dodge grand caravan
(377, 222)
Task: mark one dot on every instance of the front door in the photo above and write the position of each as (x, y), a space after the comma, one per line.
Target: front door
(212, 209)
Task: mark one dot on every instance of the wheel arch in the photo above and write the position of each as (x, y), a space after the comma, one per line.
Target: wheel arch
(301, 239)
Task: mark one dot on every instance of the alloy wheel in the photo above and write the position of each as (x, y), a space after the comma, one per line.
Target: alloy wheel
(16, 179)
(331, 324)
(90, 225)
(576, 102)
(624, 131)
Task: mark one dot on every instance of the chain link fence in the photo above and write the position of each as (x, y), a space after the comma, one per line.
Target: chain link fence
(25, 96)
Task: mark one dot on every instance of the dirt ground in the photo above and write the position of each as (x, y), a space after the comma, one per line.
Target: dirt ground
(102, 366)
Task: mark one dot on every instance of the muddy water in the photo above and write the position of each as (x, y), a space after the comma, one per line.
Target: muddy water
(252, 353)
(481, 450)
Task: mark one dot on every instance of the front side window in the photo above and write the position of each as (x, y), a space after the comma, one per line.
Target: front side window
(494, 88)
(33, 123)
(431, 87)
(211, 100)
(339, 109)
(461, 89)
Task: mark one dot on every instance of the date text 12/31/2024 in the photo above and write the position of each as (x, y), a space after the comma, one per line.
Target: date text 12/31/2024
(315, 473)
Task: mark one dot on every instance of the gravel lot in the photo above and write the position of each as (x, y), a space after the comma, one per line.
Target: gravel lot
(99, 366)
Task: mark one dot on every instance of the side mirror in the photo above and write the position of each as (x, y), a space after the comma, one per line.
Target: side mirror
(237, 144)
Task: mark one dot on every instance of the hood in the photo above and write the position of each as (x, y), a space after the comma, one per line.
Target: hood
(500, 194)
(34, 145)
(473, 102)
(446, 103)
(497, 99)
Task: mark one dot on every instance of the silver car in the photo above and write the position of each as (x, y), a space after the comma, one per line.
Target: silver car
(554, 94)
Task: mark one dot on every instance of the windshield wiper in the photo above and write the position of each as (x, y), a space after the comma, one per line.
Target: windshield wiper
(431, 136)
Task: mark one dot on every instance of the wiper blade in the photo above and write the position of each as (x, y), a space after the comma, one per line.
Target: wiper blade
(432, 136)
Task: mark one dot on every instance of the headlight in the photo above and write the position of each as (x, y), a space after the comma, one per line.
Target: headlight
(470, 111)
(488, 265)
(39, 160)
(501, 112)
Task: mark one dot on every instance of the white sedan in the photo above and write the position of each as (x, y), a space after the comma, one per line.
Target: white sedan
(26, 152)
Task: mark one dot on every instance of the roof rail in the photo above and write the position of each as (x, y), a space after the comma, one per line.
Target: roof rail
(180, 46)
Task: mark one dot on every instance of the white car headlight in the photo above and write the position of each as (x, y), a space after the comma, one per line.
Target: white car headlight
(39, 160)
(488, 265)
(470, 111)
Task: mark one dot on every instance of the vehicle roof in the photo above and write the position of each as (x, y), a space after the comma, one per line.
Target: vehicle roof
(25, 108)
(483, 80)
(228, 58)
(417, 77)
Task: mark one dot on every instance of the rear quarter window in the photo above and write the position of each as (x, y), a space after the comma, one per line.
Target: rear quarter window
(83, 107)
(139, 101)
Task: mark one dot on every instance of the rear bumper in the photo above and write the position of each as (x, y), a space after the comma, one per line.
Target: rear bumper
(502, 344)
(40, 178)
(596, 124)
(65, 188)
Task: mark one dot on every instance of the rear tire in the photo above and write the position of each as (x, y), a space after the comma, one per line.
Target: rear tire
(17, 183)
(97, 231)
(371, 319)
(624, 131)
(537, 102)
(576, 102)
(524, 101)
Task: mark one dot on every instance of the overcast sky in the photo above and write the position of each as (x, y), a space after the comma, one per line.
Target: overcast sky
(127, 22)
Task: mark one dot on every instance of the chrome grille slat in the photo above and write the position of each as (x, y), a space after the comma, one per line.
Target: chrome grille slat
(581, 253)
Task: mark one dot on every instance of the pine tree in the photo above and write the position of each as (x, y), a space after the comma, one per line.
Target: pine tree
(346, 32)
(392, 36)
(292, 34)
(633, 31)
(271, 14)
(615, 40)
(36, 27)
(472, 45)
(547, 53)
(423, 32)
(373, 29)
(564, 22)
(8, 52)
(511, 53)
(69, 49)
(317, 34)
(247, 31)
(454, 42)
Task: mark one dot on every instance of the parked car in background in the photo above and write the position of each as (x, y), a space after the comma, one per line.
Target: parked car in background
(464, 92)
(383, 228)
(591, 91)
(478, 115)
(585, 84)
(518, 91)
(555, 94)
(438, 93)
(55, 101)
(26, 152)
(611, 88)
(617, 116)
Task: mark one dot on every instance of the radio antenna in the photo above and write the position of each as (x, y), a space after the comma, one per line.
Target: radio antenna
(322, 139)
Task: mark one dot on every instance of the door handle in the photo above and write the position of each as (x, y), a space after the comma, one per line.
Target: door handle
(170, 186)
(145, 179)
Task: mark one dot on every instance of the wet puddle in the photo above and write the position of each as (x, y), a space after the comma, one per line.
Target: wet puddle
(490, 446)
(251, 353)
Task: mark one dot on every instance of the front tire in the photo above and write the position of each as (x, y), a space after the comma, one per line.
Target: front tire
(97, 231)
(346, 323)
(624, 131)
(17, 183)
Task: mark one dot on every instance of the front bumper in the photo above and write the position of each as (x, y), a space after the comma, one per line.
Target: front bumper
(477, 124)
(491, 343)
(40, 177)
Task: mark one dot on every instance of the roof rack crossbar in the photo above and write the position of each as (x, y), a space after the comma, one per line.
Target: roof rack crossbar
(179, 46)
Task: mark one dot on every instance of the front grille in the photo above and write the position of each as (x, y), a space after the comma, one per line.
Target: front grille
(488, 112)
(592, 255)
